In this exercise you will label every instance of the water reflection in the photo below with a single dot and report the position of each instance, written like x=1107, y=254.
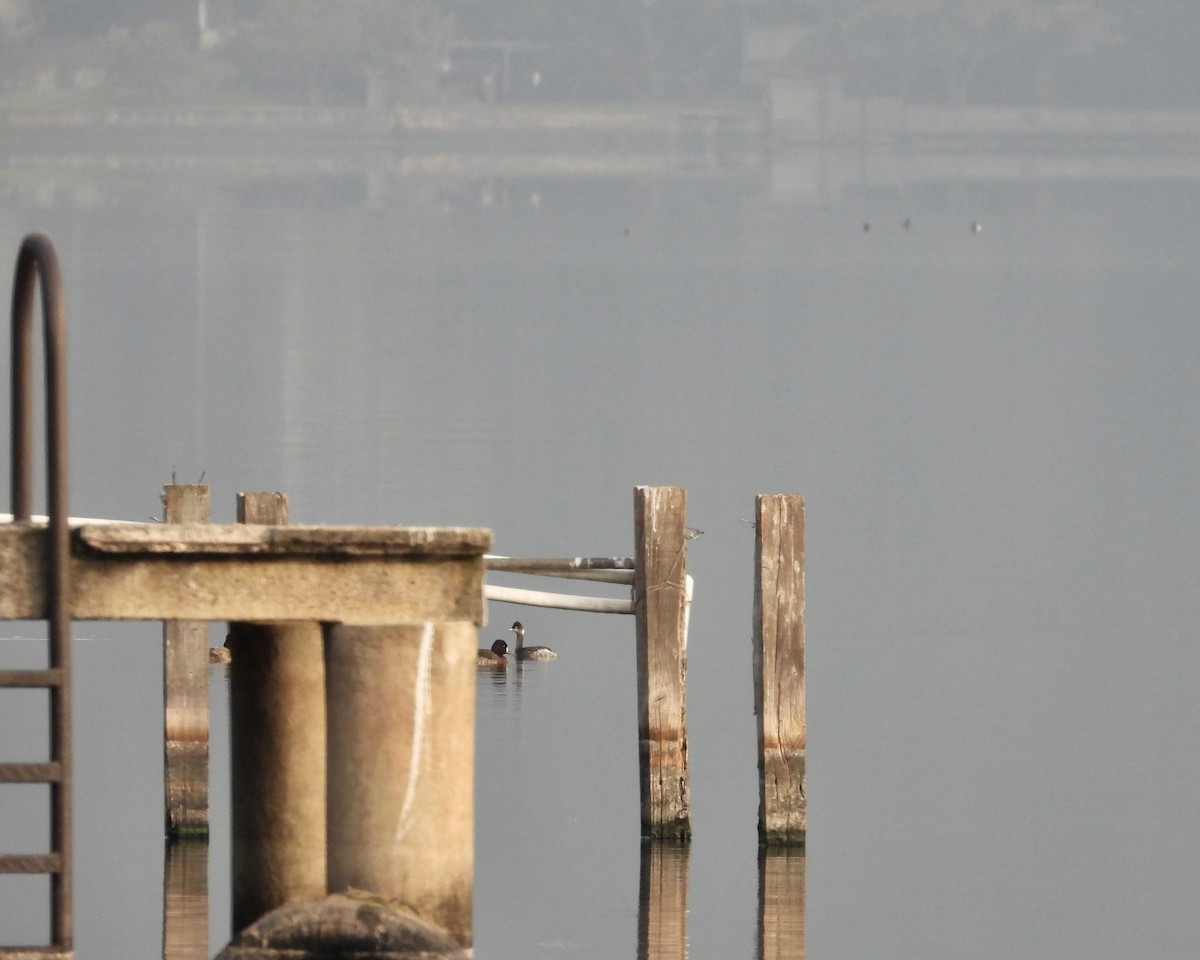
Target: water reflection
x=185, y=900
x=662, y=900
x=780, y=903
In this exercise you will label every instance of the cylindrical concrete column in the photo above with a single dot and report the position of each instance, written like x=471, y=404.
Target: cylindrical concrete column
x=401, y=729
x=277, y=759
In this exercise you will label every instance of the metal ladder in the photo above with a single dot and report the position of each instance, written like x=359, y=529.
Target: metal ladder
x=37, y=261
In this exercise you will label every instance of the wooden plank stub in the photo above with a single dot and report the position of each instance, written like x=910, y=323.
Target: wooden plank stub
x=779, y=667
x=660, y=608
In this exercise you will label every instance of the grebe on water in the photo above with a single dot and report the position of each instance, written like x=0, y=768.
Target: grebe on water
x=494, y=657
x=530, y=653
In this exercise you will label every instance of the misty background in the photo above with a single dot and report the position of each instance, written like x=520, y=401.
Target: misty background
x=385, y=54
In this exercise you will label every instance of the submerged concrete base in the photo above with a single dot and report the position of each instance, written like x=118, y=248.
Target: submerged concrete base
x=348, y=926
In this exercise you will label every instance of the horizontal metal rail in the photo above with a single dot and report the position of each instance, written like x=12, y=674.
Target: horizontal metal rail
x=560, y=601
x=30, y=863
x=31, y=678
x=51, y=772
x=600, y=569
x=71, y=521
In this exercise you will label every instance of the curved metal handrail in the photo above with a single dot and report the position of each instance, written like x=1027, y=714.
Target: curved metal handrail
x=38, y=261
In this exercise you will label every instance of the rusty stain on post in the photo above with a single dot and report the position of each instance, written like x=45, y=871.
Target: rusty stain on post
x=779, y=667
x=660, y=608
x=185, y=690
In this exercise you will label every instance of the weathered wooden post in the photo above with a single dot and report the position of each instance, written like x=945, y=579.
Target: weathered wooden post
x=660, y=605
x=277, y=752
x=401, y=708
x=185, y=690
x=662, y=903
x=779, y=667
x=781, y=879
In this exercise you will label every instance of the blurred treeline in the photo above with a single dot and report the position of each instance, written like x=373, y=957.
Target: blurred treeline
x=385, y=53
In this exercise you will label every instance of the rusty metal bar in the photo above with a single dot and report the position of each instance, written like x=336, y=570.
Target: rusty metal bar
x=31, y=772
x=30, y=862
x=37, y=271
x=30, y=678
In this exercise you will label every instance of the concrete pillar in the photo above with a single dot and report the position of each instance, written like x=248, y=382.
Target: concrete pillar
x=401, y=729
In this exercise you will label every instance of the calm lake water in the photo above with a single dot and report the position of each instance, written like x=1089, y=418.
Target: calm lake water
x=994, y=432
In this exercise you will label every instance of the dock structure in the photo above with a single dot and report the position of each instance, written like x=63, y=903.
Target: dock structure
x=414, y=592
x=382, y=595
x=352, y=683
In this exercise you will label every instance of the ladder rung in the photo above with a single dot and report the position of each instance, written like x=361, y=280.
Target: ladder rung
x=36, y=953
x=30, y=863
x=31, y=678
x=30, y=772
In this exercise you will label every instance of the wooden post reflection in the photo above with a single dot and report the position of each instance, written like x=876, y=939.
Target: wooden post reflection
x=780, y=903
x=662, y=900
x=185, y=900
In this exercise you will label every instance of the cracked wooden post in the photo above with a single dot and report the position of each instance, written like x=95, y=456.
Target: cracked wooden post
x=660, y=608
x=401, y=703
x=779, y=667
x=277, y=752
x=185, y=690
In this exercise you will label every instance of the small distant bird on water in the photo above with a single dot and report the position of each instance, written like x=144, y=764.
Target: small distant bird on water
x=530, y=653
x=691, y=533
x=493, y=657
x=907, y=223
x=976, y=226
x=866, y=227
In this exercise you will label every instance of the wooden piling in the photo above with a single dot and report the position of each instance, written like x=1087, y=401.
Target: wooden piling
x=185, y=690
x=277, y=752
x=401, y=709
x=662, y=901
x=779, y=667
x=660, y=608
